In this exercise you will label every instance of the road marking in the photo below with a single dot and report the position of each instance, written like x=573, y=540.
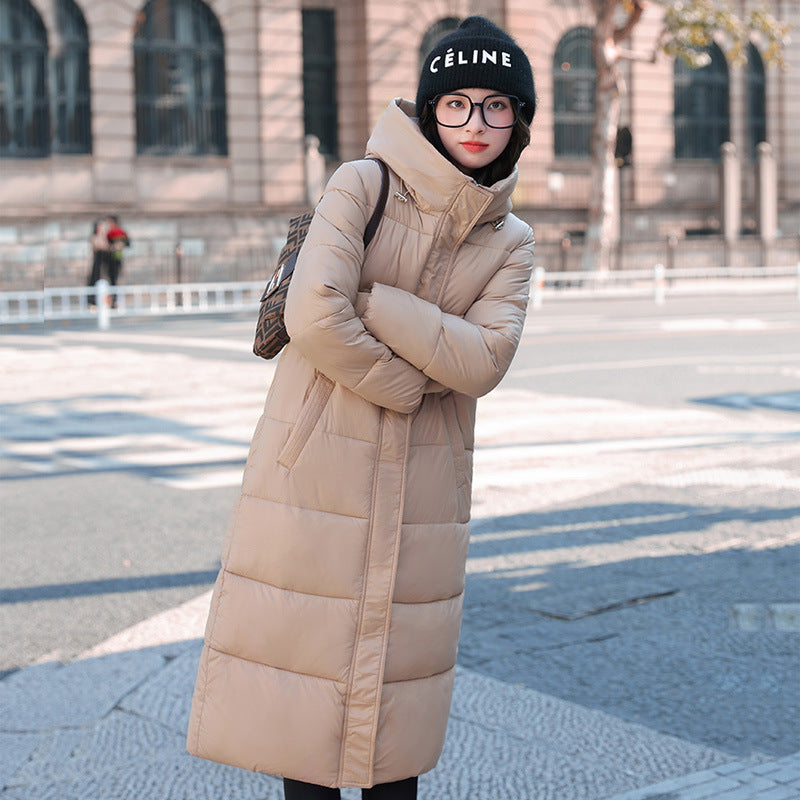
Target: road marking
x=128, y=337
x=640, y=363
x=660, y=545
x=573, y=527
x=729, y=476
x=485, y=455
x=195, y=442
x=210, y=479
x=704, y=325
x=785, y=401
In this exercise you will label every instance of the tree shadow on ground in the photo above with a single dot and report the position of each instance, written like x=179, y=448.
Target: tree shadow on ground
x=631, y=608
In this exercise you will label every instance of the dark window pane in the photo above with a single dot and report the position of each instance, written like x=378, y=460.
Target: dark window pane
x=574, y=79
x=24, y=107
x=69, y=82
x=320, y=109
x=179, y=68
x=701, y=110
x=756, y=100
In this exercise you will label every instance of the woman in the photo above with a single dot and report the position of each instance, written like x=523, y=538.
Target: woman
x=100, y=254
x=331, y=643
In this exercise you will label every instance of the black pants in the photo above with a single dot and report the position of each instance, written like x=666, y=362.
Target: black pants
x=104, y=261
x=399, y=790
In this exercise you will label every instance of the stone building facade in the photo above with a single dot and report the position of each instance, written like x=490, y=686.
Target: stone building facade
x=191, y=118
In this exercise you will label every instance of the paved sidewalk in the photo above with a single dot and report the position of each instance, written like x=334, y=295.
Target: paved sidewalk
x=736, y=780
x=110, y=726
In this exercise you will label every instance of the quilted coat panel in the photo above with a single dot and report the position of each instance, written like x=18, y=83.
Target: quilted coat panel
x=423, y=639
x=294, y=708
x=430, y=564
x=422, y=736
x=303, y=486
x=309, y=551
x=286, y=641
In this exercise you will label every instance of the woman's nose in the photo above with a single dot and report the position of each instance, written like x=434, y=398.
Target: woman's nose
x=475, y=121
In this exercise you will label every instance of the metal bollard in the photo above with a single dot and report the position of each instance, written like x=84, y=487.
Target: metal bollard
x=538, y=287
x=103, y=304
x=659, y=284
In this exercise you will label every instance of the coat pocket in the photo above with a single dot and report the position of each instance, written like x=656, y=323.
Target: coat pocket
x=307, y=420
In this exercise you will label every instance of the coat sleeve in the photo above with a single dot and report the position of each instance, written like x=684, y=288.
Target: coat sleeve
x=320, y=316
x=468, y=354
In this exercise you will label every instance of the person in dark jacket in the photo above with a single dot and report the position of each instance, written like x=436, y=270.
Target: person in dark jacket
x=108, y=241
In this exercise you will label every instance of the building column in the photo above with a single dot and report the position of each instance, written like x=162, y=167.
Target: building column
x=280, y=82
x=730, y=196
x=113, y=103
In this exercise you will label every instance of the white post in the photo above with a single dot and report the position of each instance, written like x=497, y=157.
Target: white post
x=798, y=280
x=538, y=287
x=103, y=304
x=659, y=284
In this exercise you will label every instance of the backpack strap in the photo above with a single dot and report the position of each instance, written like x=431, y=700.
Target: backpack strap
x=375, y=219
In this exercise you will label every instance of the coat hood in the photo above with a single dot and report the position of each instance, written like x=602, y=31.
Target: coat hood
x=427, y=174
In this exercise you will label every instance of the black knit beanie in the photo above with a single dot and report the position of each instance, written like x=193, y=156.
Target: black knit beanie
x=478, y=55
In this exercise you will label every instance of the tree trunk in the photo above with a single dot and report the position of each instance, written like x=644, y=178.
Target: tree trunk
x=600, y=229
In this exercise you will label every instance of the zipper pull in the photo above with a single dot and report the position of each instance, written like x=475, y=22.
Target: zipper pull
x=401, y=197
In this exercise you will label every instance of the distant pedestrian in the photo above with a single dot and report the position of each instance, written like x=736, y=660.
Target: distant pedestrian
x=330, y=647
x=108, y=241
x=101, y=253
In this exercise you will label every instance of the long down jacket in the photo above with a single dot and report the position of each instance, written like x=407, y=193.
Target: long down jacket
x=331, y=642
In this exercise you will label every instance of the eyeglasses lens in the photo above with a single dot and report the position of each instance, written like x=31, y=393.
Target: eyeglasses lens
x=455, y=110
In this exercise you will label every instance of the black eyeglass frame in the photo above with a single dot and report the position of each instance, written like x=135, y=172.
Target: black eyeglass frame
x=472, y=104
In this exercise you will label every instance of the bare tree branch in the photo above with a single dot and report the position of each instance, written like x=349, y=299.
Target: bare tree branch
x=621, y=34
x=631, y=55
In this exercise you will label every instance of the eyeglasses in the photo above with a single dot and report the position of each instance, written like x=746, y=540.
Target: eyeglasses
x=455, y=110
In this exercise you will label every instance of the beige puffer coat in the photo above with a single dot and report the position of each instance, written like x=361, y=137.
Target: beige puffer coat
x=331, y=642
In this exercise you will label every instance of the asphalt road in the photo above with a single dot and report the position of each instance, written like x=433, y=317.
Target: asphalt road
x=636, y=501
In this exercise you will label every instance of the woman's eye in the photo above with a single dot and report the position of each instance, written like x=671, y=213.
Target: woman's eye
x=498, y=105
x=456, y=104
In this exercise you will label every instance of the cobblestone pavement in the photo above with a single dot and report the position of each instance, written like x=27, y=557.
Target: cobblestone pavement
x=631, y=622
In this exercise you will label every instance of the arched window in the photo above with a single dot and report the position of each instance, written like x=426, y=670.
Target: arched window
x=179, y=69
x=702, y=119
x=24, y=110
x=574, y=78
x=433, y=34
x=756, y=99
x=70, y=102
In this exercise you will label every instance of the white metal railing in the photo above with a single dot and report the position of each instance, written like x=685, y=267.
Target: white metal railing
x=75, y=302
x=660, y=283
x=105, y=302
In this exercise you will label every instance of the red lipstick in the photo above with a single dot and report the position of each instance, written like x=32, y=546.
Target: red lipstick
x=474, y=147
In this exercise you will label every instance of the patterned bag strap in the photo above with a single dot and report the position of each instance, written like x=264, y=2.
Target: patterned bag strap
x=375, y=219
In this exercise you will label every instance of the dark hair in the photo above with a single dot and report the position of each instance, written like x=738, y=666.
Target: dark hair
x=501, y=167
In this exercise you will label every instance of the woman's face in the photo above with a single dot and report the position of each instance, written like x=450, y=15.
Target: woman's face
x=475, y=144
